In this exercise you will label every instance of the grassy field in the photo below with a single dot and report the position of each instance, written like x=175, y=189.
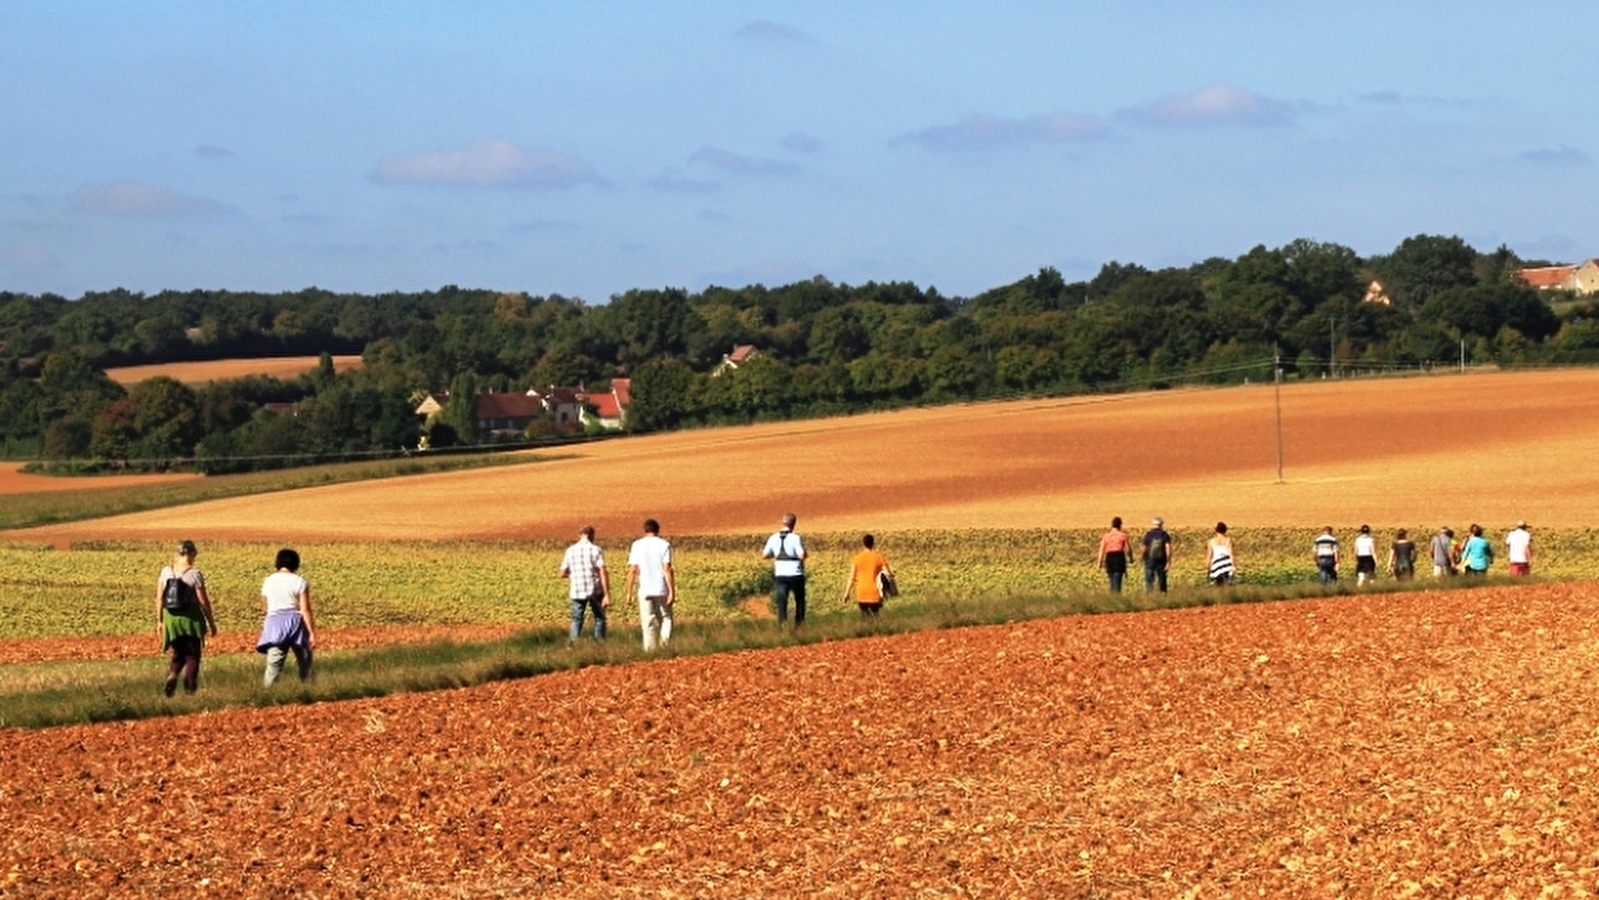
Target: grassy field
x=108, y=588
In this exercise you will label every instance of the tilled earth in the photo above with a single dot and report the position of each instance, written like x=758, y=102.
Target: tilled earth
x=1439, y=744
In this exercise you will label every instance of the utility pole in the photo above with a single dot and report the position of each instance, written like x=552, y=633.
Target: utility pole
x=1277, y=389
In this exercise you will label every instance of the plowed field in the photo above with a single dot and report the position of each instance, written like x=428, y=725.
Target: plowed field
x=1440, y=744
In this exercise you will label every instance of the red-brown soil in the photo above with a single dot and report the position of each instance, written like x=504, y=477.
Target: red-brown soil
x=1491, y=447
x=53, y=649
x=1440, y=744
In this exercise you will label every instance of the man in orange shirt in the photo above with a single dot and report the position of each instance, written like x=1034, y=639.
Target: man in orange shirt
x=863, y=572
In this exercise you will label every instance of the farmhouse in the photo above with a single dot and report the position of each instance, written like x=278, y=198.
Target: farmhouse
x=506, y=415
x=608, y=410
x=1582, y=278
x=740, y=354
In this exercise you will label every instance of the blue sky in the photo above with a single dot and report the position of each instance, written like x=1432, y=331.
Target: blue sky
x=586, y=148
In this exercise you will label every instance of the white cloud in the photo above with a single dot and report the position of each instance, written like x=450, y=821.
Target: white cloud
x=736, y=163
x=1216, y=104
x=985, y=132
x=488, y=163
x=139, y=198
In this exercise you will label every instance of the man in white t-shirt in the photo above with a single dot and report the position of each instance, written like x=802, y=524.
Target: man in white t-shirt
x=649, y=565
x=1518, y=543
x=788, y=570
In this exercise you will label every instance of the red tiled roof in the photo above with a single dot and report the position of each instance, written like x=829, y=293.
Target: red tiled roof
x=741, y=353
x=508, y=406
x=1547, y=276
x=622, y=387
x=605, y=406
x=561, y=395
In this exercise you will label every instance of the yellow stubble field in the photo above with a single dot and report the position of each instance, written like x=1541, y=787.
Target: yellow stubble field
x=201, y=371
x=1490, y=446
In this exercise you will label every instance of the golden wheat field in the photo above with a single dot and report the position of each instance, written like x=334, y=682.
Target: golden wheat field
x=201, y=371
x=1492, y=447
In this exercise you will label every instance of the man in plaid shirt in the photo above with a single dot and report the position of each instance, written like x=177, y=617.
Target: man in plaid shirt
x=590, y=583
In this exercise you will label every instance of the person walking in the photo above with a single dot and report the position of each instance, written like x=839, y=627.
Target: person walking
x=1442, y=550
x=588, y=584
x=289, y=626
x=1477, y=553
x=1113, y=546
x=1365, y=557
x=787, y=551
x=649, y=565
x=1518, y=550
x=863, y=580
x=1402, y=556
x=1157, y=555
x=1326, y=553
x=1223, y=562
x=183, y=617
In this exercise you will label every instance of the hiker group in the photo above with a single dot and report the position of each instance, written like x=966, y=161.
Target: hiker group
x=1472, y=555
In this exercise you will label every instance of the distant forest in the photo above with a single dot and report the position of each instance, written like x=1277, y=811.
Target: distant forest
x=824, y=348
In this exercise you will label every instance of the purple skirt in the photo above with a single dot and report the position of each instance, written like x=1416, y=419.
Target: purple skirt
x=283, y=629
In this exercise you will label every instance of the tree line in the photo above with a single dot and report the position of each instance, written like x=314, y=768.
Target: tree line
x=823, y=348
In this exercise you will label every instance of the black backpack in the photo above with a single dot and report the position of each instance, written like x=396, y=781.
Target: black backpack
x=177, y=595
x=1157, y=547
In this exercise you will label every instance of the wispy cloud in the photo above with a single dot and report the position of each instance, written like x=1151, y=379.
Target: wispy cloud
x=212, y=151
x=1568, y=157
x=986, y=132
x=139, y=198
x=764, y=30
x=488, y=163
x=739, y=164
x=1215, y=104
x=800, y=142
x=677, y=184
x=27, y=257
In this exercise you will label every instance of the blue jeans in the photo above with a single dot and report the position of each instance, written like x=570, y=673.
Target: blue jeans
x=1116, y=581
x=786, y=585
x=1153, y=572
x=1326, y=571
x=578, y=607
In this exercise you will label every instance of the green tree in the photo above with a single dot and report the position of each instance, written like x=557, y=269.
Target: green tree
x=1426, y=264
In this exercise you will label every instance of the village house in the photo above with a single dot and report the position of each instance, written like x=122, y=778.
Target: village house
x=608, y=409
x=508, y=415
x=1582, y=278
x=739, y=355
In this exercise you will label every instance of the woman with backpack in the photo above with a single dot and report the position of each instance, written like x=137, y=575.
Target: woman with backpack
x=183, y=617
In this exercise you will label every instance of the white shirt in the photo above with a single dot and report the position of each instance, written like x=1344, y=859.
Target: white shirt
x=1519, y=543
x=1365, y=545
x=789, y=552
x=282, y=591
x=652, y=554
